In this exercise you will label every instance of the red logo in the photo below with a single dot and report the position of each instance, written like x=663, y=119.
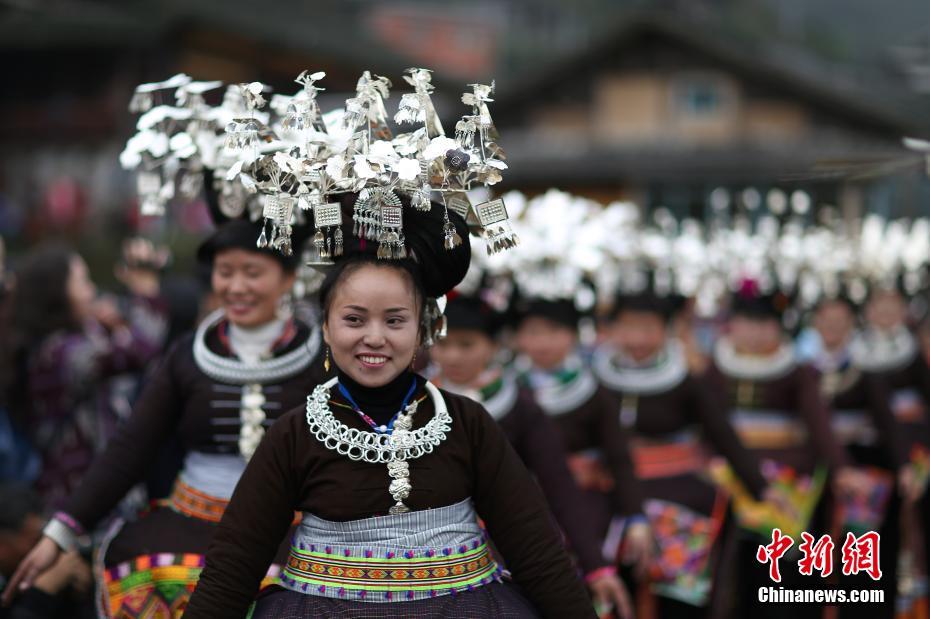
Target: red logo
x=771, y=553
x=817, y=556
x=860, y=554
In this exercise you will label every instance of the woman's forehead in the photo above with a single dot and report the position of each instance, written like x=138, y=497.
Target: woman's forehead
x=376, y=287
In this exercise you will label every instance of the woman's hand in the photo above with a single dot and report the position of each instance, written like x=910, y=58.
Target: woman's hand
x=69, y=570
x=910, y=490
x=609, y=591
x=40, y=558
x=107, y=313
x=639, y=547
x=140, y=266
x=778, y=499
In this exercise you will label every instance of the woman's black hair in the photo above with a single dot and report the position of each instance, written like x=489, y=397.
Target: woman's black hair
x=341, y=272
x=39, y=307
x=647, y=302
x=40, y=299
x=241, y=234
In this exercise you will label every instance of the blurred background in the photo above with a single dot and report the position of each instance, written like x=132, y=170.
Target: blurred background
x=690, y=105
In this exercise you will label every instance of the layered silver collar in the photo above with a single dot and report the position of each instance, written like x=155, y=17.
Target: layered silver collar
x=237, y=372
x=666, y=371
x=497, y=404
x=750, y=367
x=554, y=395
x=877, y=351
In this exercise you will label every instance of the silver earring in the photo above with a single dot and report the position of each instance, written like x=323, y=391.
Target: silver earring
x=285, y=306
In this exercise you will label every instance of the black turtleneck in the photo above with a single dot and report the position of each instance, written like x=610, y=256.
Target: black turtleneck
x=381, y=403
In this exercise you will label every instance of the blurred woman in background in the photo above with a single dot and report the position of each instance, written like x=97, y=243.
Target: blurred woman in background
x=465, y=362
x=68, y=343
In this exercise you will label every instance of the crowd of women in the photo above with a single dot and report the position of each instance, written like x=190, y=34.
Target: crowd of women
x=613, y=419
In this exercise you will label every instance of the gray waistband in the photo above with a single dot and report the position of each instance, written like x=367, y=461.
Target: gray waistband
x=429, y=528
x=395, y=558
x=853, y=427
x=213, y=474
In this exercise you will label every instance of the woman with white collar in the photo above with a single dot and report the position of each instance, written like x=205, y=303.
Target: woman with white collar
x=218, y=390
x=550, y=363
x=465, y=363
x=775, y=406
x=862, y=421
x=888, y=348
x=390, y=473
x=671, y=419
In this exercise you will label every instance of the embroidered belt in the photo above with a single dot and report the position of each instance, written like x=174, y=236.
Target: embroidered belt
x=908, y=406
x=193, y=503
x=667, y=459
x=410, y=556
x=767, y=429
x=189, y=501
x=853, y=427
x=590, y=471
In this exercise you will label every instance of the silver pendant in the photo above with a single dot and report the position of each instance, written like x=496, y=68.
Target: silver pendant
x=400, y=508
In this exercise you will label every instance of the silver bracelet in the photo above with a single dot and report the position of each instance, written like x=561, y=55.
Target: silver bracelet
x=61, y=534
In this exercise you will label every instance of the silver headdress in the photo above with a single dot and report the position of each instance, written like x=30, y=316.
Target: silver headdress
x=562, y=247
x=296, y=158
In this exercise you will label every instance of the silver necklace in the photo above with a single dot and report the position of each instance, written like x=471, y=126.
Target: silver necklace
x=395, y=449
x=265, y=371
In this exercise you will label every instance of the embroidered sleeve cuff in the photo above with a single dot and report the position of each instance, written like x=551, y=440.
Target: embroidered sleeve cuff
x=637, y=519
x=61, y=534
x=607, y=570
x=68, y=520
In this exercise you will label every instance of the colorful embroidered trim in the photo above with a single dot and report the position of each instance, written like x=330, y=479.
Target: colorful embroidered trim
x=761, y=429
x=188, y=501
x=193, y=503
x=158, y=585
x=667, y=460
x=386, y=576
x=853, y=427
x=590, y=472
x=908, y=406
x=865, y=511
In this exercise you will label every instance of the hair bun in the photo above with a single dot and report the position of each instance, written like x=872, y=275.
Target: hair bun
x=439, y=269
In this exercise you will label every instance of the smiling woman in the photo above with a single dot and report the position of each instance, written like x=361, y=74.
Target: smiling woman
x=218, y=389
x=389, y=472
x=371, y=320
x=250, y=286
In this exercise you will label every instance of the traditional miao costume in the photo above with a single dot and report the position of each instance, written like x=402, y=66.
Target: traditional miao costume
x=672, y=420
x=219, y=406
x=897, y=359
x=861, y=420
x=775, y=406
